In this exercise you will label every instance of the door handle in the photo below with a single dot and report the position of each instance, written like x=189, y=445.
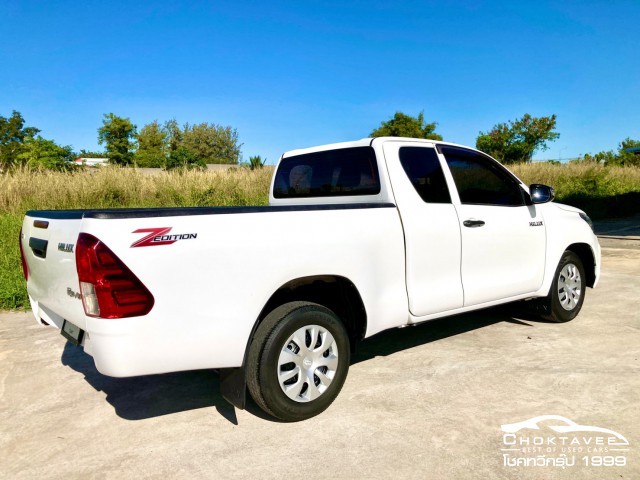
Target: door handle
x=39, y=247
x=473, y=223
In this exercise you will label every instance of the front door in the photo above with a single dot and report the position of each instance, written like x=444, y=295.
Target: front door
x=503, y=234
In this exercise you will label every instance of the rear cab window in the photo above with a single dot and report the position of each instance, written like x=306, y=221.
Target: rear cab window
x=331, y=173
x=425, y=173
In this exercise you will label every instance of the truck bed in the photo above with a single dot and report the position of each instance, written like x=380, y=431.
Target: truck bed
x=217, y=279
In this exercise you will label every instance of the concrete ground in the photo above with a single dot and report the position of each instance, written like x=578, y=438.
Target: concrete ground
x=610, y=232
x=421, y=402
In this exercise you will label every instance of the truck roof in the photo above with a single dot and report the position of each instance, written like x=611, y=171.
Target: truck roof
x=363, y=143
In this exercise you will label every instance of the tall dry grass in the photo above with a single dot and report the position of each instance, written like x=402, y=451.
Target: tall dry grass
x=602, y=192
x=113, y=187
x=581, y=178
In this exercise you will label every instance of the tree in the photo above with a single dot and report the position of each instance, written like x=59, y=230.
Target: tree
x=184, y=159
x=174, y=134
x=623, y=157
x=212, y=143
x=626, y=157
x=12, y=135
x=517, y=141
x=41, y=154
x=117, y=134
x=402, y=125
x=151, y=146
x=604, y=158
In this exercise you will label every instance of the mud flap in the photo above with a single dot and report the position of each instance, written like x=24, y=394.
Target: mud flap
x=233, y=386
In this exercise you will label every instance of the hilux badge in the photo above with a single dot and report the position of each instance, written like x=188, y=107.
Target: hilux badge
x=66, y=247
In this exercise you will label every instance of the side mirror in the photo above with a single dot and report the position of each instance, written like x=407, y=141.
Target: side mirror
x=541, y=193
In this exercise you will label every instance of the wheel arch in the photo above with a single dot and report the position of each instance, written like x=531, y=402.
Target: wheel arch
x=585, y=253
x=334, y=292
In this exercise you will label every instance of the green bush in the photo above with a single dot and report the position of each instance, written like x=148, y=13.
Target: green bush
x=256, y=162
x=184, y=159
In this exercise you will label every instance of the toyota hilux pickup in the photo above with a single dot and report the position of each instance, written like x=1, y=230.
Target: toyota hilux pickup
x=358, y=237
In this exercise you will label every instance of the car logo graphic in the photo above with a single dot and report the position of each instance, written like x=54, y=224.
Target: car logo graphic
x=564, y=425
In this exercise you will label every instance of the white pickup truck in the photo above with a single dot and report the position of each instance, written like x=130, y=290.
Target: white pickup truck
x=359, y=237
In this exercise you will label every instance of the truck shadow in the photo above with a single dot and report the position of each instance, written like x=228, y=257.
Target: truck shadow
x=149, y=396
x=398, y=339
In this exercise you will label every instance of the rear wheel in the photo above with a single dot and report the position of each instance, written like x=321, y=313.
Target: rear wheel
x=568, y=289
x=298, y=361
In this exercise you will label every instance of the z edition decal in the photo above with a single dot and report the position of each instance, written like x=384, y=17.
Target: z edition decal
x=160, y=236
x=553, y=441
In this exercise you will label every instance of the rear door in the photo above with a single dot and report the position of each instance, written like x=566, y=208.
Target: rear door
x=431, y=227
x=503, y=235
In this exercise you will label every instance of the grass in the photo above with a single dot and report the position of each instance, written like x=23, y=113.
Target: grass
x=118, y=188
x=13, y=292
x=600, y=191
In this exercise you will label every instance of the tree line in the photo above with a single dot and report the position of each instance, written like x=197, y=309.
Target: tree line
x=166, y=145
x=514, y=141
x=169, y=145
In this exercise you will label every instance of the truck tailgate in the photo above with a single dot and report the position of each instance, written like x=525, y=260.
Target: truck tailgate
x=48, y=240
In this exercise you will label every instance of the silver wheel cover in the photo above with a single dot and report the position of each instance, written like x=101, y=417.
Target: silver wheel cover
x=569, y=286
x=307, y=363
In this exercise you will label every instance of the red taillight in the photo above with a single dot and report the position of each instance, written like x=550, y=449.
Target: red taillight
x=25, y=267
x=109, y=289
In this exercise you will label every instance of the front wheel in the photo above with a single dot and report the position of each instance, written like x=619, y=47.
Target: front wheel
x=568, y=289
x=298, y=361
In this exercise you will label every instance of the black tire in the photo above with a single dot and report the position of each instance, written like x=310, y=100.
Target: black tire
x=264, y=363
x=567, y=291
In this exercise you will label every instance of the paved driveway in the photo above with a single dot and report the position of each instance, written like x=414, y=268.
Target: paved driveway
x=421, y=402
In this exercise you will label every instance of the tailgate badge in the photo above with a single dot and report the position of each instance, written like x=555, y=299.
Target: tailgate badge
x=66, y=247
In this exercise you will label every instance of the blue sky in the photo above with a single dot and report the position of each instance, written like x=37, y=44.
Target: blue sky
x=302, y=73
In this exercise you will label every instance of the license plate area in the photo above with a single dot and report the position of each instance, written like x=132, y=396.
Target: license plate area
x=72, y=333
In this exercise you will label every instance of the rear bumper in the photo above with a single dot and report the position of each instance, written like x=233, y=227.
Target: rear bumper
x=139, y=346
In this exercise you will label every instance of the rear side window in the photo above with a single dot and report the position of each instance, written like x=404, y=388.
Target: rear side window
x=332, y=173
x=423, y=168
x=481, y=180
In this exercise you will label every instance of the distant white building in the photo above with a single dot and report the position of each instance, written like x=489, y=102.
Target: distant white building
x=91, y=162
